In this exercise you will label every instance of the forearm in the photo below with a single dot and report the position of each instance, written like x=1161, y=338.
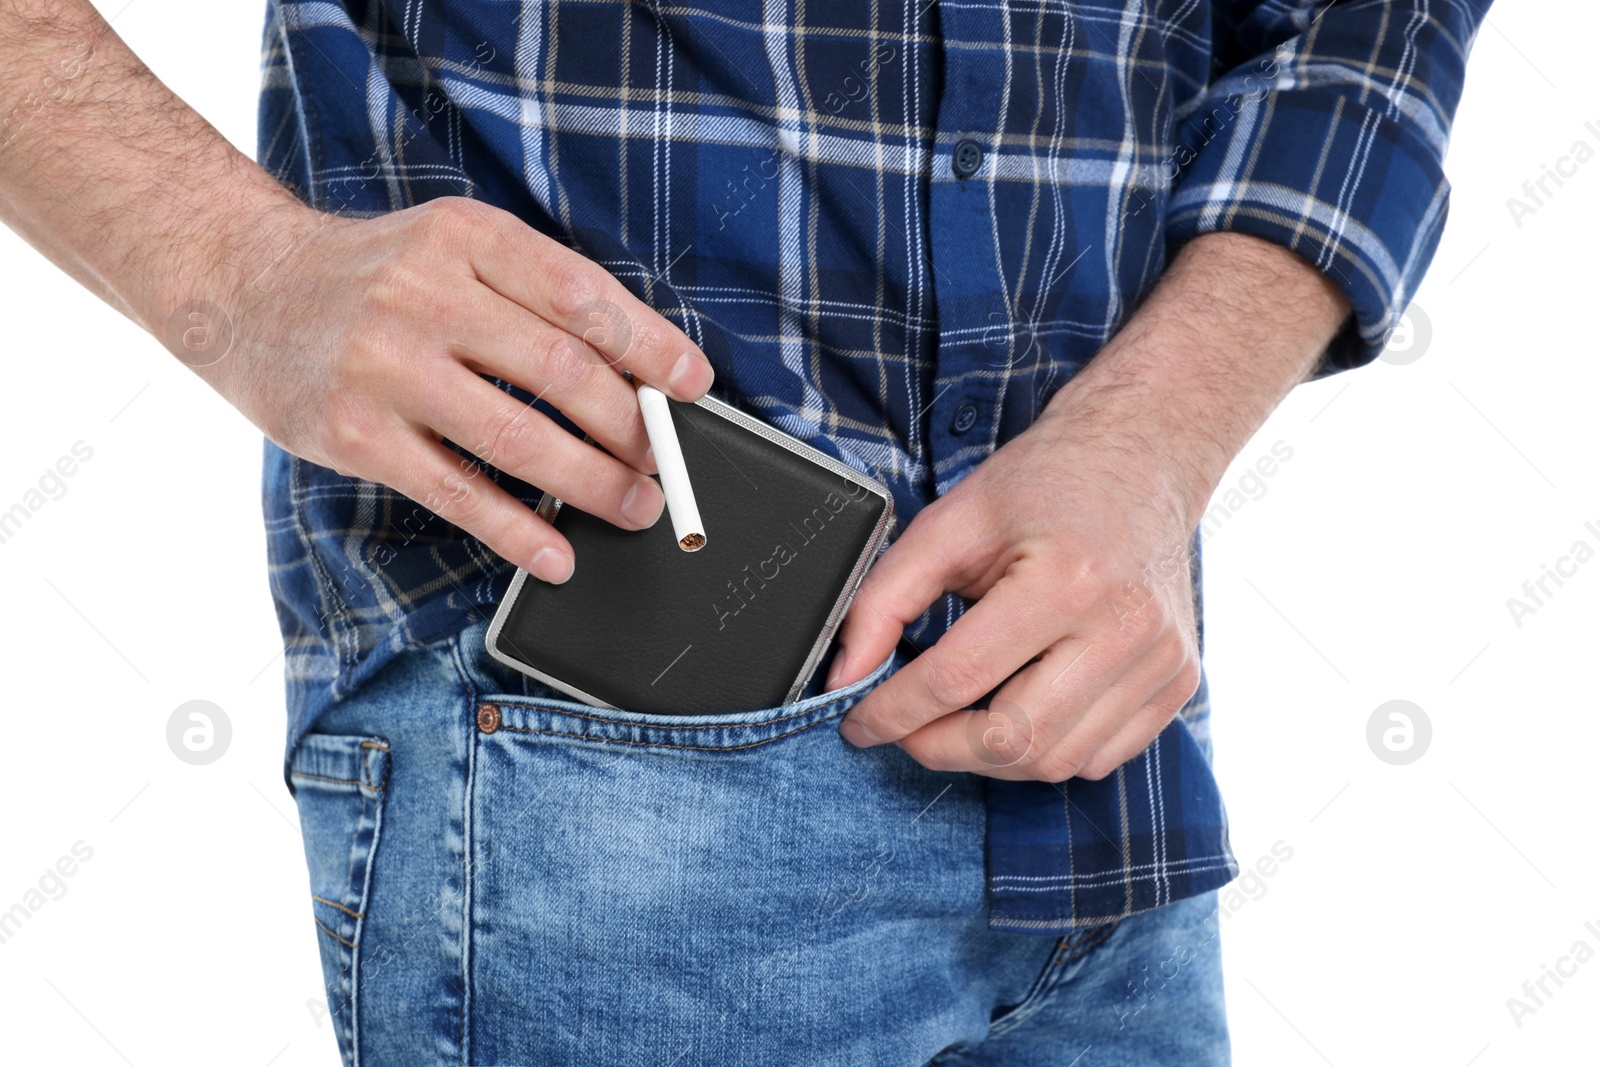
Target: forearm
x=112, y=176
x=1233, y=325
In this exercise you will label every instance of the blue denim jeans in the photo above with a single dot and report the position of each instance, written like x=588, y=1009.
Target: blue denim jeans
x=500, y=876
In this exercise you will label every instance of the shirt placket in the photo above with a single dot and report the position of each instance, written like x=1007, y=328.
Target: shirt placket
x=975, y=336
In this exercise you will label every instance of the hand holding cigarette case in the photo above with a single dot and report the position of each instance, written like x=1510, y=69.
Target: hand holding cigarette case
x=740, y=624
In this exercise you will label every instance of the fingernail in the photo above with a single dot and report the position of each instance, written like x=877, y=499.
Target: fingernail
x=551, y=565
x=835, y=672
x=642, y=504
x=650, y=459
x=857, y=734
x=690, y=377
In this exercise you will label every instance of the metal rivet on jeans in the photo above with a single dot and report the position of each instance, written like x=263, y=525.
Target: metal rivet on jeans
x=488, y=718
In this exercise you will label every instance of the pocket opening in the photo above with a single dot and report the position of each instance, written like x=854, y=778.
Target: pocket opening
x=547, y=713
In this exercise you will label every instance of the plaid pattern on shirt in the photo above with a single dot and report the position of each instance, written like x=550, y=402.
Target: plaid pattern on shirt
x=781, y=180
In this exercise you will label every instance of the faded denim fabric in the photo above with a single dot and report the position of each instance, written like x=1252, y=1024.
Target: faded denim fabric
x=503, y=877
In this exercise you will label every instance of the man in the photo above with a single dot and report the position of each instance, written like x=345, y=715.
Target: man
x=1041, y=268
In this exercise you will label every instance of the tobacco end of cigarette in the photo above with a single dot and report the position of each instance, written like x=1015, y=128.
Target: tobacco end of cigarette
x=692, y=542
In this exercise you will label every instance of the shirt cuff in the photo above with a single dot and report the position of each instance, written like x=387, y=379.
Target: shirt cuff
x=1351, y=189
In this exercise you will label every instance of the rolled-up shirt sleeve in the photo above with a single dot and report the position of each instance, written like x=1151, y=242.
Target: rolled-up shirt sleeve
x=1327, y=134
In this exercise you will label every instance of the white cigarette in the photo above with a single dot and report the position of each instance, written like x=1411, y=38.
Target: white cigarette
x=686, y=525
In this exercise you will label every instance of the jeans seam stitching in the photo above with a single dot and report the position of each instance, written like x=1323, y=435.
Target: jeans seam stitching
x=358, y=783
x=360, y=924
x=332, y=904
x=1088, y=943
x=349, y=944
x=664, y=744
x=1051, y=977
x=1041, y=984
x=675, y=726
x=469, y=794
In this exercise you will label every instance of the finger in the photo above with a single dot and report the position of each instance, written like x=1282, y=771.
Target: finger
x=457, y=491
x=503, y=338
x=934, y=554
x=1138, y=730
x=997, y=635
x=1054, y=694
x=520, y=440
x=1124, y=706
x=992, y=741
x=1025, y=719
x=582, y=298
x=1075, y=675
x=1033, y=727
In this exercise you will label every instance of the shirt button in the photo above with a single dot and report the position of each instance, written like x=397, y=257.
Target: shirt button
x=967, y=159
x=488, y=718
x=966, y=418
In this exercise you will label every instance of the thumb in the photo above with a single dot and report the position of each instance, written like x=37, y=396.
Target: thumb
x=912, y=573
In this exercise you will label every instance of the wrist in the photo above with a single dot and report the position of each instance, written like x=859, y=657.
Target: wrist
x=210, y=262
x=1233, y=325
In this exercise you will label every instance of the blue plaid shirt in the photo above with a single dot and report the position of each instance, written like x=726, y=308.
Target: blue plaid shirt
x=896, y=227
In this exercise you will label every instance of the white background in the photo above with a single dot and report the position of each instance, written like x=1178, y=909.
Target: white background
x=1375, y=566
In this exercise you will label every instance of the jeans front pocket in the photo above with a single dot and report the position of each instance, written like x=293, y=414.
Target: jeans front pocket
x=637, y=875
x=338, y=784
